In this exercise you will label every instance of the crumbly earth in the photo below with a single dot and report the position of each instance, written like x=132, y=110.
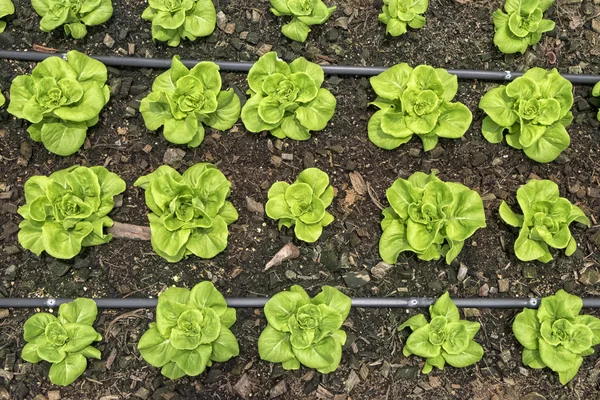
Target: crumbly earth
x=458, y=34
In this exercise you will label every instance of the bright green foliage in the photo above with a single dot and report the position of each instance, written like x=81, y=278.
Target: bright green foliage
x=556, y=336
x=64, y=341
x=596, y=93
x=61, y=99
x=416, y=101
x=535, y=109
x=75, y=15
x=545, y=222
x=446, y=339
x=2, y=100
x=183, y=100
x=305, y=331
x=190, y=213
x=287, y=100
x=302, y=204
x=424, y=211
x=191, y=331
x=304, y=12
x=522, y=25
x=396, y=14
x=6, y=8
x=173, y=20
x=68, y=210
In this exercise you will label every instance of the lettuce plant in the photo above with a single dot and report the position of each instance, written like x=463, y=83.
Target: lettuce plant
x=61, y=99
x=397, y=14
x=287, y=100
x=65, y=342
x=445, y=339
x=416, y=101
x=304, y=13
x=596, y=93
x=423, y=213
x=182, y=100
x=535, y=109
x=6, y=8
x=190, y=213
x=75, y=15
x=305, y=331
x=521, y=25
x=545, y=221
x=302, y=204
x=68, y=210
x=191, y=331
x=556, y=336
x=173, y=20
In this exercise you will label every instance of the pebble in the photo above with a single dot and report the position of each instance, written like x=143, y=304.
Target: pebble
x=308, y=160
x=503, y=285
x=4, y=313
x=435, y=285
x=173, y=156
x=414, y=152
x=11, y=272
x=252, y=38
x=108, y=41
x=221, y=20
x=478, y=159
x=462, y=272
x=254, y=206
x=356, y=280
x=59, y=268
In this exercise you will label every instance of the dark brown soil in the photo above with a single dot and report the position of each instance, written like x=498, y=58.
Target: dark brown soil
x=458, y=34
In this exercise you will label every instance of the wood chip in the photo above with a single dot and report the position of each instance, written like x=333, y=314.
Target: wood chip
x=358, y=183
x=111, y=358
x=128, y=231
x=287, y=252
x=147, y=149
x=352, y=381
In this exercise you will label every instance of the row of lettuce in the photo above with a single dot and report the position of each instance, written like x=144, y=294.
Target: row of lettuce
x=63, y=98
x=190, y=213
x=520, y=25
x=192, y=331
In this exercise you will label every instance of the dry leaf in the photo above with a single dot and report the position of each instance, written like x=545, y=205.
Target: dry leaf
x=287, y=252
x=358, y=183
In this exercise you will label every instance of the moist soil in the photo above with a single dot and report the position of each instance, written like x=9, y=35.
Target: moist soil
x=458, y=34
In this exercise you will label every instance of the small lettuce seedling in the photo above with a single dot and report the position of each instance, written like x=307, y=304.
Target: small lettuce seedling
x=302, y=204
x=535, y=109
x=61, y=99
x=64, y=341
x=556, y=336
x=68, y=210
x=304, y=13
x=75, y=15
x=397, y=14
x=191, y=331
x=183, y=100
x=424, y=212
x=305, y=331
x=416, y=101
x=190, y=212
x=6, y=8
x=596, y=93
x=287, y=100
x=446, y=339
x=522, y=25
x=173, y=20
x=545, y=221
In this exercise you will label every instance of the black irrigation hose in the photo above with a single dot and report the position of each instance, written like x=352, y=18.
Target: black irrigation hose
x=257, y=302
x=233, y=66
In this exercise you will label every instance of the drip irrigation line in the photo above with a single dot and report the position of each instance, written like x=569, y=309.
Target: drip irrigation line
x=233, y=66
x=258, y=302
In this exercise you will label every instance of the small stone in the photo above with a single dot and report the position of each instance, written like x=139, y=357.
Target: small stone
x=256, y=15
x=131, y=49
x=381, y=269
x=22, y=162
x=529, y=272
x=505, y=356
x=332, y=35
x=308, y=160
x=26, y=150
x=54, y=395
x=352, y=381
x=58, y=268
x=503, y=285
x=11, y=272
x=583, y=105
x=435, y=381
x=252, y=38
x=589, y=277
x=142, y=393
x=229, y=28
x=11, y=250
x=462, y=272
x=278, y=390
x=173, y=155
x=255, y=207
x=523, y=371
x=287, y=156
x=356, y=280
x=264, y=49
x=108, y=41
x=478, y=159
x=243, y=387
x=4, y=313
x=471, y=313
x=221, y=20
x=414, y=152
